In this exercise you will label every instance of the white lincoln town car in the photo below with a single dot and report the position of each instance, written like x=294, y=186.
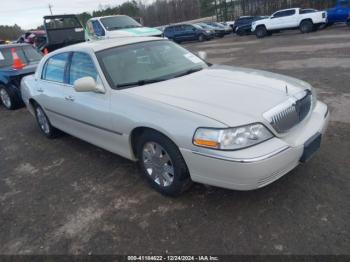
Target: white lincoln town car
x=183, y=119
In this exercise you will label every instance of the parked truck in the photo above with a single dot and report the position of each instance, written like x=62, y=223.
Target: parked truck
x=339, y=13
x=294, y=18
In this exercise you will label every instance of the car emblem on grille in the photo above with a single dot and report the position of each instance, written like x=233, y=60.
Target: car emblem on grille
x=291, y=112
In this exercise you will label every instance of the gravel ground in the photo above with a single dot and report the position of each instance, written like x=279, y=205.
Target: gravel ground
x=65, y=196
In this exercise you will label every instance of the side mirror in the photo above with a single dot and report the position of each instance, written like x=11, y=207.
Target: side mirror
x=203, y=55
x=87, y=84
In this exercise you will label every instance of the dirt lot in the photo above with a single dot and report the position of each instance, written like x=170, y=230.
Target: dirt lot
x=66, y=196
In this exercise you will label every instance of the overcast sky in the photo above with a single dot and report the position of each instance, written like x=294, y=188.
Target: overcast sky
x=29, y=13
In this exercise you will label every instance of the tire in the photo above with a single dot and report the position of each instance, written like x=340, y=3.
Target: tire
x=261, y=32
x=159, y=156
x=240, y=32
x=306, y=26
x=348, y=23
x=201, y=38
x=44, y=123
x=9, y=98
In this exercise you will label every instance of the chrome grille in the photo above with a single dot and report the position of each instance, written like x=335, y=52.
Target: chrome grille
x=290, y=113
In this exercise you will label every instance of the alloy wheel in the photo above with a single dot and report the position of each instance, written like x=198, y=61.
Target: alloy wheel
x=42, y=120
x=5, y=98
x=158, y=164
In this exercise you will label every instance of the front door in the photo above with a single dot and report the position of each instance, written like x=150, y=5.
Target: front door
x=88, y=112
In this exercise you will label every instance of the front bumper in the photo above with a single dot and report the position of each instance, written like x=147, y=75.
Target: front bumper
x=257, y=166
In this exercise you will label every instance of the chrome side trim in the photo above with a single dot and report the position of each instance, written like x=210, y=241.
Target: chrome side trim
x=243, y=160
x=83, y=122
x=327, y=112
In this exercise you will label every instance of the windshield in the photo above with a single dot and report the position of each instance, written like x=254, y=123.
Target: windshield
x=27, y=54
x=197, y=26
x=147, y=62
x=205, y=26
x=119, y=22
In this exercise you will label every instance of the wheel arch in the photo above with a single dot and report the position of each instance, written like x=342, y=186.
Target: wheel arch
x=306, y=19
x=138, y=131
x=261, y=25
x=31, y=105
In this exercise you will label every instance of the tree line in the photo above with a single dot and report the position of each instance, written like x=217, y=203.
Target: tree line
x=10, y=32
x=163, y=12
x=231, y=9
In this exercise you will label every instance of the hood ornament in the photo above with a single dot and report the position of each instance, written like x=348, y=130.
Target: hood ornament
x=287, y=90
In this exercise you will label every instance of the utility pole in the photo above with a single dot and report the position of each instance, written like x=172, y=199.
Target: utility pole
x=50, y=7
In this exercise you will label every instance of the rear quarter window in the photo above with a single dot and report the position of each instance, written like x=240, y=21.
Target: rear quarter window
x=5, y=57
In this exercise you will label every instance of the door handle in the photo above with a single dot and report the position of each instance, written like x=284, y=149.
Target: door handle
x=69, y=98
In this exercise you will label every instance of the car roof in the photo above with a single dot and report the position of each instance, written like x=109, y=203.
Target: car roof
x=286, y=9
x=99, y=45
x=98, y=18
x=12, y=45
x=60, y=16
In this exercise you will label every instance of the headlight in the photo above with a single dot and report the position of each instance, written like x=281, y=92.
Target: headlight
x=231, y=138
x=208, y=32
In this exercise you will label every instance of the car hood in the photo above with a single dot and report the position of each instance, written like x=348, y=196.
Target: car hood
x=138, y=31
x=230, y=95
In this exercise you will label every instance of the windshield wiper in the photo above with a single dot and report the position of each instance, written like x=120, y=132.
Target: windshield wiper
x=190, y=71
x=131, y=26
x=141, y=82
x=114, y=28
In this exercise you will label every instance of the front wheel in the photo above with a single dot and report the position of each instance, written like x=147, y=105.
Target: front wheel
x=162, y=164
x=306, y=27
x=201, y=38
x=44, y=123
x=240, y=32
x=261, y=32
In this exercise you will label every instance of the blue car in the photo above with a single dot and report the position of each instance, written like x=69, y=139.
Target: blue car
x=340, y=13
x=187, y=32
x=11, y=74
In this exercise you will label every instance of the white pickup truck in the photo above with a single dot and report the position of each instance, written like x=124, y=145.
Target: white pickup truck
x=293, y=18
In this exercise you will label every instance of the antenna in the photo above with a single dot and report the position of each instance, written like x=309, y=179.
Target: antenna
x=50, y=7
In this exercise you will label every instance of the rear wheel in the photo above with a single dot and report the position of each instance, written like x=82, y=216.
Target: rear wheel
x=306, y=26
x=162, y=164
x=9, y=98
x=44, y=123
x=261, y=32
x=201, y=38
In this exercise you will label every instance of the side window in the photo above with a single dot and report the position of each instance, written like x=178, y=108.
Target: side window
x=284, y=13
x=278, y=14
x=55, y=67
x=169, y=30
x=188, y=27
x=81, y=66
x=98, y=29
x=290, y=12
x=178, y=28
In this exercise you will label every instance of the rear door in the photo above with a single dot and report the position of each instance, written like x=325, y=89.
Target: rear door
x=180, y=33
x=53, y=91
